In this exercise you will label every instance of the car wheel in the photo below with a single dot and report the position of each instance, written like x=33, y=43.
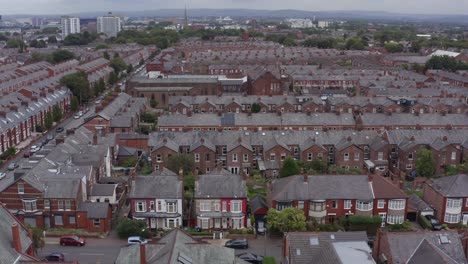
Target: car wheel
x=63, y=244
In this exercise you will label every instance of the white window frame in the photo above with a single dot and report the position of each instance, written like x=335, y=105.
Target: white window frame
x=395, y=219
x=453, y=156
x=300, y=204
x=397, y=204
x=453, y=203
x=310, y=156
x=152, y=209
x=356, y=156
x=20, y=188
x=224, y=206
x=30, y=205
x=216, y=206
x=452, y=218
x=159, y=158
x=272, y=156
x=67, y=205
x=380, y=203
x=96, y=222
x=235, y=204
x=205, y=206
x=379, y=155
x=347, y=204
x=143, y=205
x=197, y=157
x=204, y=223
x=246, y=158
x=234, y=157
x=60, y=205
x=159, y=206
x=46, y=204
x=171, y=207
x=346, y=156
x=283, y=156
x=364, y=206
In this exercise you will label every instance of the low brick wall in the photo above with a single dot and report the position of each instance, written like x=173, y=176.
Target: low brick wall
x=234, y=236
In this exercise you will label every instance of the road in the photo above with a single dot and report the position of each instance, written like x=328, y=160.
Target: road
x=102, y=251
x=264, y=246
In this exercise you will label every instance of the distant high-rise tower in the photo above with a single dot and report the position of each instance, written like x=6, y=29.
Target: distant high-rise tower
x=109, y=25
x=185, y=17
x=70, y=25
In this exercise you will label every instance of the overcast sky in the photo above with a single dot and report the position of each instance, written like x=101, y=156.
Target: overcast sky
x=8, y=7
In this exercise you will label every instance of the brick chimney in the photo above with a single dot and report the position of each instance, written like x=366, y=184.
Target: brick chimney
x=16, y=237
x=95, y=139
x=181, y=174
x=445, y=138
x=142, y=254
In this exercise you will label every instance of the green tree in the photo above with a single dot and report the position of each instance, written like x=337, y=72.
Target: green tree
x=355, y=43
x=445, y=63
x=37, y=238
x=118, y=65
x=129, y=162
x=393, y=47
x=289, y=168
x=48, y=120
x=62, y=55
x=181, y=161
x=286, y=220
x=78, y=84
x=148, y=117
x=425, y=163
x=14, y=43
x=106, y=55
x=113, y=78
x=74, y=104
x=153, y=103
x=256, y=108
x=39, y=128
x=289, y=42
x=127, y=227
x=282, y=26
x=317, y=166
x=57, y=113
x=129, y=68
x=101, y=46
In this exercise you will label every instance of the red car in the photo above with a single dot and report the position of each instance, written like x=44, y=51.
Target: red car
x=27, y=154
x=72, y=240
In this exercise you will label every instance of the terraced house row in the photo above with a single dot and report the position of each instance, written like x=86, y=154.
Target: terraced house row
x=242, y=151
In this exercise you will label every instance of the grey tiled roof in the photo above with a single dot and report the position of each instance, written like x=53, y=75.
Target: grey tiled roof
x=451, y=186
x=103, y=189
x=165, y=186
x=94, y=210
x=258, y=202
x=418, y=204
x=220, y=184
x=370, y=119
x=322, y=187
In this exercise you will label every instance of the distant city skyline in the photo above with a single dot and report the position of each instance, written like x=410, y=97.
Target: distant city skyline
x=56, y=7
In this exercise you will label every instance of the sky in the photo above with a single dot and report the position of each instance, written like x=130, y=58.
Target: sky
x=10, y=7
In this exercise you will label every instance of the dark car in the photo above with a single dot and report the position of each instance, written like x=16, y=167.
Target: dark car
x=27, y=154
x=55, y=257
x=251, y=257
x=237, y=243
x=59, y=129
x=434, y=222
x=71, y=240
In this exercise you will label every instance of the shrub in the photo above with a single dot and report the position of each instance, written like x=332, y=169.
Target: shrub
x=128, y=227
x=424, y=222
x=405, y=226
x=269, y=260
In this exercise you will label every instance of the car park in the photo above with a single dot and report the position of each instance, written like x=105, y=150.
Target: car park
x=434, y=222
x=237, y=243
x=59, y=129
x=2, y=175
x=55, y=257
x=136, y=240
x=13, y=166
x=251, y=257
x=72, y=240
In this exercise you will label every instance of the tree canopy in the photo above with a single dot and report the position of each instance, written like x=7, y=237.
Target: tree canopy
x=425, y=163
x=290, y=167
x=445, y=63
x=128, y=227
x=286, y=220
x=62, y=55
x=393, y=47
x=78, y=84
x=180, y=161
x=79, y=39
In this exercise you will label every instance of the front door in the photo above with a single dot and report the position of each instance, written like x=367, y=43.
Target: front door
x=383, y=216
x=217, y=223
x=465, y=219
x=224, y=223
x=153, y=223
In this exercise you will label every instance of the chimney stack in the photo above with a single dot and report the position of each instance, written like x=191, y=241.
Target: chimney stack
x=195, y=173
x=16, y=237
x=142, y=254
x=95, y=139
x=181, y=174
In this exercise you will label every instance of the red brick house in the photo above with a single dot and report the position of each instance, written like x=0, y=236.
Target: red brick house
x=264, y=83
x=94, y=217
x=203, y=153
x=161, y=151
x=449, y=197
x=391, y=203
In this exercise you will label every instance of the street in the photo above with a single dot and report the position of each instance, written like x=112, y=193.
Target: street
x=102, y=251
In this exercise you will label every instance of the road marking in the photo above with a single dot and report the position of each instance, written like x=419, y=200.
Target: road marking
x=91, y=254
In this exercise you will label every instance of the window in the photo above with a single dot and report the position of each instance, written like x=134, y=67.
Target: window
x=364, y=206
x=236, y=206
x=347, y=204
x=71, y=220
x=443, y=155
x=246, y=157
x=334, y=204
x=60, y=204
x=207, y=157
x=234, y=157
x=158, y=158
x=204, y=223
x=205, y=206
x=46, y=204
x=300, y=204
x=224, y=206
x=356, y=156
x=283, y=156
x=296, y=151
x=409, y=166
x=452, y=218
x=320, y=155
x=397, y=204
x=395, y=219
x=272, y=156
x=171, y=223
x=197, y=157
x=20, y=188
x=410, y=156
x=140, y=206
x=380, y=156
x=96, y=222
x=317, y=206
x=466, y=202
x=58, y=220
x=346, y=156
x=216, y=206
x=310, y=156
x=454, y=203
x=152, y=206
x=453, y=156
x=171, y=207
x=283, y=205
x=159, y=206
x=224, y=150
x=380, y=203
x=29, y=205
x=67, y=205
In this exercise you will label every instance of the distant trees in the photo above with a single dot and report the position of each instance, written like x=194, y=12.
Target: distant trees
x=52, y=39
x=74, y=104
x=118, y=65
x=37, y=44
x=57, y=113
x=127, y=227
x=48, y=120
x=79, y=39
x=445, y=63
x=393, y=47
x=256, y=108
x=62, y=55
x=356, y=43
x=321, y=43
x=180, y=161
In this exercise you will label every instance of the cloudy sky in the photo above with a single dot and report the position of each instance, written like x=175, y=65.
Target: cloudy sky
x=8, y=7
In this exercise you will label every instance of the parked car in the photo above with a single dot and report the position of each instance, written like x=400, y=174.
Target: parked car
x=434, y=222
x=2, y=175
x=50, y=137
x=35, y=148
x=80, y=113
x=59, y=129
x=76, y=116
x=98, y=101
x=237, y=243
x=136, y=240
x=55, y=257
x=13, y=166
x=27, y=154
x=72, y=240
x=251, y=257
x=261, y=228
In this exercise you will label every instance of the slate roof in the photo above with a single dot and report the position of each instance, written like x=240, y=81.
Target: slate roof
x=103, y=189
x=258, y=202
x=451, y=186
x=61, y=188
x=165, y=185
x=121, y=121
x=321, y=247
x=384, y=189
x=424, y=246
x=126, y=151
x=406, y=139
x=404, y=119
x=220, y=184
x=94, y=210
x=322, y=187
x=179, y=247
x=416, y=203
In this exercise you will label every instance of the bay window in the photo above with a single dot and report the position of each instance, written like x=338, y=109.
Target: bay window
x=395, y=219
x=364, y=205
x=236, y=206
x=454, y=203
x=452, y=218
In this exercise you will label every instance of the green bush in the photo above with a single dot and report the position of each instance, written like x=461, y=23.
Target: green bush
x=424, y=222
x=364, y=220
x=269, y=260
x=405, y=226
x=128, y=227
